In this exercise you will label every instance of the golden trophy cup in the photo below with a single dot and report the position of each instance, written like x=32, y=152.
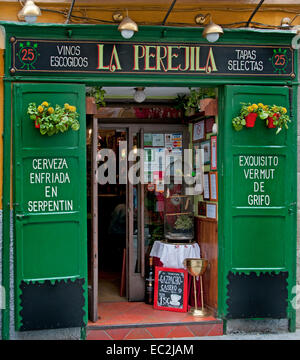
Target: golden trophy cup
x=197, y=267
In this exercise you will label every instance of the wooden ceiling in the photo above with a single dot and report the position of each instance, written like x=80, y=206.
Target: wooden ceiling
x=229, y=13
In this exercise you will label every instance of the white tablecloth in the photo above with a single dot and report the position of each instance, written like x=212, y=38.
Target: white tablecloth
x=172, y=255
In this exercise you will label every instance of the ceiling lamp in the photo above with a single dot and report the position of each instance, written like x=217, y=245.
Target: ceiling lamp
x=127, y=27
x=30, y=12
x=211, y=31
x=285, y=22
x=139, y=95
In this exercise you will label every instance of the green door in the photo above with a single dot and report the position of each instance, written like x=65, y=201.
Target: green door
x=257, y=209
x=49, y=174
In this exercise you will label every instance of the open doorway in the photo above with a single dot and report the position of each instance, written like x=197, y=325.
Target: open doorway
x=112, y=224
x=131, y=217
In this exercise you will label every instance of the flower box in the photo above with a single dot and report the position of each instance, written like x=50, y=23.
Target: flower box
x=250, y=120
x=90, y=105
x=209, y=106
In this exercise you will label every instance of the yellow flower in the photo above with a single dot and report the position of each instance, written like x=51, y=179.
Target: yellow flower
x=50, y=110
x=40, y=109
x=250, y=108
x=284, y=110
x=72, y=108
x=254, y=106
x=45, y=103
x=67, y=106
x=260, y=105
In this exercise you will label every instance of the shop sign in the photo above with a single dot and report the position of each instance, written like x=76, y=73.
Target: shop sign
x=170, y=289
x=50, y=181
x=259, y=177
x=100, y=57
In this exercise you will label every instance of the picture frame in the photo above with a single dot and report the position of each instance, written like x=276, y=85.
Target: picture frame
x=196, y=146
x=201, y=208
x=209, y=123
x=213, y=153
x=199, y=130
x=206, y=186
x=164, y=299
x=213, y=186
x=205, y=145
x=211, y=211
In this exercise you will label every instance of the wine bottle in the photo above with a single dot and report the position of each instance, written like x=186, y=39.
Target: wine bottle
x=149, y=283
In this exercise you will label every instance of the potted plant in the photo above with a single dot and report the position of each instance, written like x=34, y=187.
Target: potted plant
x=94, y=99
x=52, y=120
x=183, y=223
x=277, y=118
x=192, y=103
x=208, y=102
x=247, y=117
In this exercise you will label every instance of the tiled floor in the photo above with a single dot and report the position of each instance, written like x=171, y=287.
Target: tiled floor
x=137, y=320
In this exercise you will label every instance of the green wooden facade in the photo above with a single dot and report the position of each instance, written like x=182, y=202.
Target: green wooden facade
x=253, y=238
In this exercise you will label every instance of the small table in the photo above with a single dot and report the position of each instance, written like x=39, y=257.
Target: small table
x=172, y=255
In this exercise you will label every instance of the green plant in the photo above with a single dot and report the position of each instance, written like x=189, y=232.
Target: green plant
x=207, y=93
x=183, y=222
x=276, y=116
x=158, y=232
x=98, y=94
x=51, y=120
x=180, y=102
x=238, y=122
x=192, y=100
x=279, y=117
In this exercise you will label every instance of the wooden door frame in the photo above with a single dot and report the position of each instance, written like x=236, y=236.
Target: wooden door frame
x=130, y=129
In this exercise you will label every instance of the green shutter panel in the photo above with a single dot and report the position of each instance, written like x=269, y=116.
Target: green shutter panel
x=257, y=209
x=49, y=176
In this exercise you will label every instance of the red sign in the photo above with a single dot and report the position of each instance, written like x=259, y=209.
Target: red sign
x=170, y=289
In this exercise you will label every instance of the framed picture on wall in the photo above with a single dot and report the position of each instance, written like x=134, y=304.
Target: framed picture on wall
x=199, y=131
x=196, y=148
x=213, y=153
x=213, y=186
x=206, y=187
x=202, y=208
x=211, y=211
x=209, y=123
x=205, y=146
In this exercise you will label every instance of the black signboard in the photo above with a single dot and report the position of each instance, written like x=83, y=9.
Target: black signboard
x=170, y=289
x=104, y=57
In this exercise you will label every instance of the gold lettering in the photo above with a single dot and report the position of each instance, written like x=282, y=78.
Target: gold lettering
x=114, y=56
x=187, y=58
x=100, y=58
x=198, y=68
x=137, y=56
x=170, y=56
x=192, y=58
x=159, y=58
x=210, y=63
x=147, y=57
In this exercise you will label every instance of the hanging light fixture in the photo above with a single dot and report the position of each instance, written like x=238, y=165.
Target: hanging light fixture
x=127, y=27
x=211, y=31
x=29, y=12
x=139, y=95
